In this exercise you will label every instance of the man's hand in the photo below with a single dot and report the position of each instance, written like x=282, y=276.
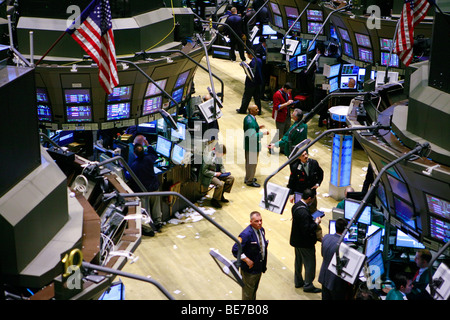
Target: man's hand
x=248, y=262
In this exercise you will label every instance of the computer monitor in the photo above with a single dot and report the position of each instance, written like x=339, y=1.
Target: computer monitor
x=298, y=62
x=153, y=90
x=332, y=71
x=42, y=95
x=363, y=40
x=365, y=55
x=180, y=133
x=348, y=49
x=177, y=95
x=439, y=229
x=147, y=127
x=151, y=105
x=333, y=33
x=350, y=236
x=385, y=44
x=350, y=207
x=290, y=47
x=344, y=34
x=121, y=93
x=349, y=69
x=399, y=188
x=394, y=62
x=291, y=12
x=438, y=206
x=314, y=27
x=404, y=212
x=296, y=27
x=314, y=15
x=181, y=80
x=163, y=146
x=268, y=31
x=375, y=267
x=334, y=84
x=178, y=154
x=44, y=112
x=275, y=8
x=345, y=82
x=278, y=21
x=381, y=194
x=293, y=63
x=118, y=111
x=65, y=138
x=373, y=243
x=402, y=240
x=78, y=113
x=77, y=96
x=115, y=292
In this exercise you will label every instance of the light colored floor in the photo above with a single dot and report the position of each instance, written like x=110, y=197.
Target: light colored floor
x=178, y=257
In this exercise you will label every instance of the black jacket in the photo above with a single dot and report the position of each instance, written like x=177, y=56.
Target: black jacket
x=299, y=180
x=303, y=230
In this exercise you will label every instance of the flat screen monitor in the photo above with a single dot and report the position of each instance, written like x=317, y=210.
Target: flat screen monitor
x=438, y=206
x=385, y=44
x=399, y=188
x=268, y=31
x=349, y=70
x=301, y=61
x=77, y=96
x=118, y=111
x=180, y=133
x=404, y=212
x=181, y=80
x=373, y=243
x=350, y=236
x=344, y=34
x=293, y=63
x=151, y=105
x=350, y=207
x=381, y=194
x=163, y=146
x=153, y=90
x=394, y=62
x=121, y=93
x=275, y=8
x=42, y=95
x=348, y=49
x=363, y=40
x=296, y=27
x=334, y=70
x=278, y=21
x=78, y=113
x=314, y=15
x=345, y=82
x=44, y=112
x=178, y=154
x=177, y=95
x=334, y=84
x=115, y=292
x=365, y=55
x=333, y=33
x=66, y=137
x=291, y=12
x=402, y=240
x=147, y=127
x=314, y=27
x=375, y=267
x=439, y=229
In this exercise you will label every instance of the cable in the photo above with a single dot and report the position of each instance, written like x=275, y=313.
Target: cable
x=170, y=32
x=80, y=187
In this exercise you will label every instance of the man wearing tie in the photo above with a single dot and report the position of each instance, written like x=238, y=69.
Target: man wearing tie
x=254, y=255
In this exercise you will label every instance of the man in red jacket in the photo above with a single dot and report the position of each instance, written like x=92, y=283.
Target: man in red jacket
x=282, y=100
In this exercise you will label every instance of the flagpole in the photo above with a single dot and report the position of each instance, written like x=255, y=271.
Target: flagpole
x=53, y=45
x=390, y=53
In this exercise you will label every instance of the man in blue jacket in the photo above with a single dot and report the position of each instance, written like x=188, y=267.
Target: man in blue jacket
x=252, y=87
x=236, y=24
x=254, y=255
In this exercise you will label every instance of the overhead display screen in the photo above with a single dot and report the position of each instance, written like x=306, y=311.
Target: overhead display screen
x=79, y=96
x=182, y=79
x=291, y=12
x=44, y=112
x=118, y=111
x=153, y=90
x=120, y=94
x=314, y=15
x=151, y=105
x=79, y=113
x=363, y=40
x=275, y=8
x=438, y=206
x=365, y=55
x=344, y=34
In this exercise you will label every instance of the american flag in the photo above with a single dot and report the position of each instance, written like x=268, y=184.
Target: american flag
x=95, y=36
x=414, y=11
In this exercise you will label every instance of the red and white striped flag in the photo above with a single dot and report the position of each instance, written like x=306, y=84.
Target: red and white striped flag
x=413, y=12
x=93, y=31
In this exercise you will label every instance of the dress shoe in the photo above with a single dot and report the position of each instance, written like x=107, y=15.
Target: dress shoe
x=239, y=111
x=215, y=204
x=224, y=200
x=253, y=184
x=300, y=285
x=311, y=289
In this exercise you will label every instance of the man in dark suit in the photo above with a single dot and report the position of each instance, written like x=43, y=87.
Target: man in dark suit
x=252, y=86
x=333, y=287
x=254, y=255
x=422, y=277
x=252, y=145
x=305, y=173
x=303, y=238
x=235, y=22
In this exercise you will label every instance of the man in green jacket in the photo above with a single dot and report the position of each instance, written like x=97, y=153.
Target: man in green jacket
x=296, y=134
x=213, y=172
x=252, y=145
x=403, y=286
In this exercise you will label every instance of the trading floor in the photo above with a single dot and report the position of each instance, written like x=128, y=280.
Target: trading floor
x=178, y=257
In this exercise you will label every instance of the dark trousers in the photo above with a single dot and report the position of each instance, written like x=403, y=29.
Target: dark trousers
x=305, y=257
x=251, y=283
x=249, y=93
x=236, y=44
